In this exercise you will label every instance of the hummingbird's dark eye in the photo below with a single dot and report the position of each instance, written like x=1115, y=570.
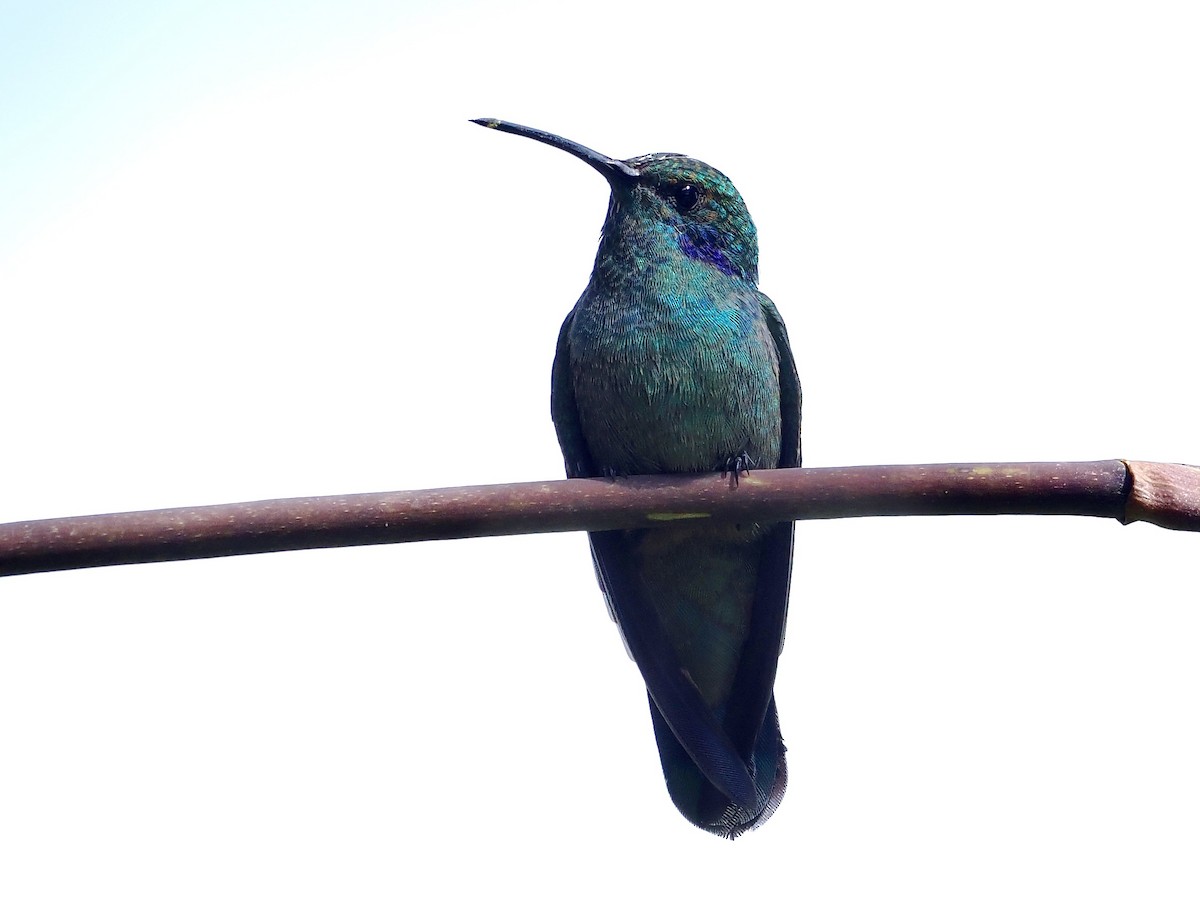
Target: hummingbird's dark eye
x=685, y=196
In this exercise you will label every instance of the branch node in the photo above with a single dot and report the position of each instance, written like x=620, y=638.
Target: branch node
x=1164, y=494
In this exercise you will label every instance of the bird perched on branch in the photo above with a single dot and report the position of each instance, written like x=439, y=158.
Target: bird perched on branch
x=673, y=361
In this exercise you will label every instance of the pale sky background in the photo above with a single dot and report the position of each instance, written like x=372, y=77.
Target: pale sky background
x=254, y=249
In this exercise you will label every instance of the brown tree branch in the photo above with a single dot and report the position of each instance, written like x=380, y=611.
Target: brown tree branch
x=1164, y=494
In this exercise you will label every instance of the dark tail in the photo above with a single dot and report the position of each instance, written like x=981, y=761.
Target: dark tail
x=705, y=806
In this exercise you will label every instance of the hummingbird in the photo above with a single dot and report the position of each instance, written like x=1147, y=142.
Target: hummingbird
x=672, y=360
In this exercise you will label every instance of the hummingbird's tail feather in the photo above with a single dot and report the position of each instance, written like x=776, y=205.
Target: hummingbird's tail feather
x=701, y=803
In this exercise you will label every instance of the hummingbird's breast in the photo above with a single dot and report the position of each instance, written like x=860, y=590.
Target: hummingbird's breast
x=675, y=376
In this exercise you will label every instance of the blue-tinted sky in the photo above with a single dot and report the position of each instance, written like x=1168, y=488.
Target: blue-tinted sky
x=80, y=82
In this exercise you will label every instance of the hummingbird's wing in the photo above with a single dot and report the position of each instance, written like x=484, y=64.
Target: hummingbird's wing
x=789, y=386
x=694, y=727
x=564, y=412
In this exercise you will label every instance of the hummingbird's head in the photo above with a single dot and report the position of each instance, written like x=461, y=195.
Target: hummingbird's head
x=697, y=202
x=668, y=194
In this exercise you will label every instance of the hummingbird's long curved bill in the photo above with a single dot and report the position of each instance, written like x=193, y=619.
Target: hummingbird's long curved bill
x=605, y=165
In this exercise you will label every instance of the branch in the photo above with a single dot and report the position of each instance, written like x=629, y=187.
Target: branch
x=1163, y=494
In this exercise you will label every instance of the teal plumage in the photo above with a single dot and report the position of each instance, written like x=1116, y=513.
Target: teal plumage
x=673, y=361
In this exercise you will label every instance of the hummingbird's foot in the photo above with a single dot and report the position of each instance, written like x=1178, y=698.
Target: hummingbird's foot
x=736, y=465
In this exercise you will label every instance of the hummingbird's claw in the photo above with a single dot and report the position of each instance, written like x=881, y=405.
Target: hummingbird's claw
x=736, y=465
